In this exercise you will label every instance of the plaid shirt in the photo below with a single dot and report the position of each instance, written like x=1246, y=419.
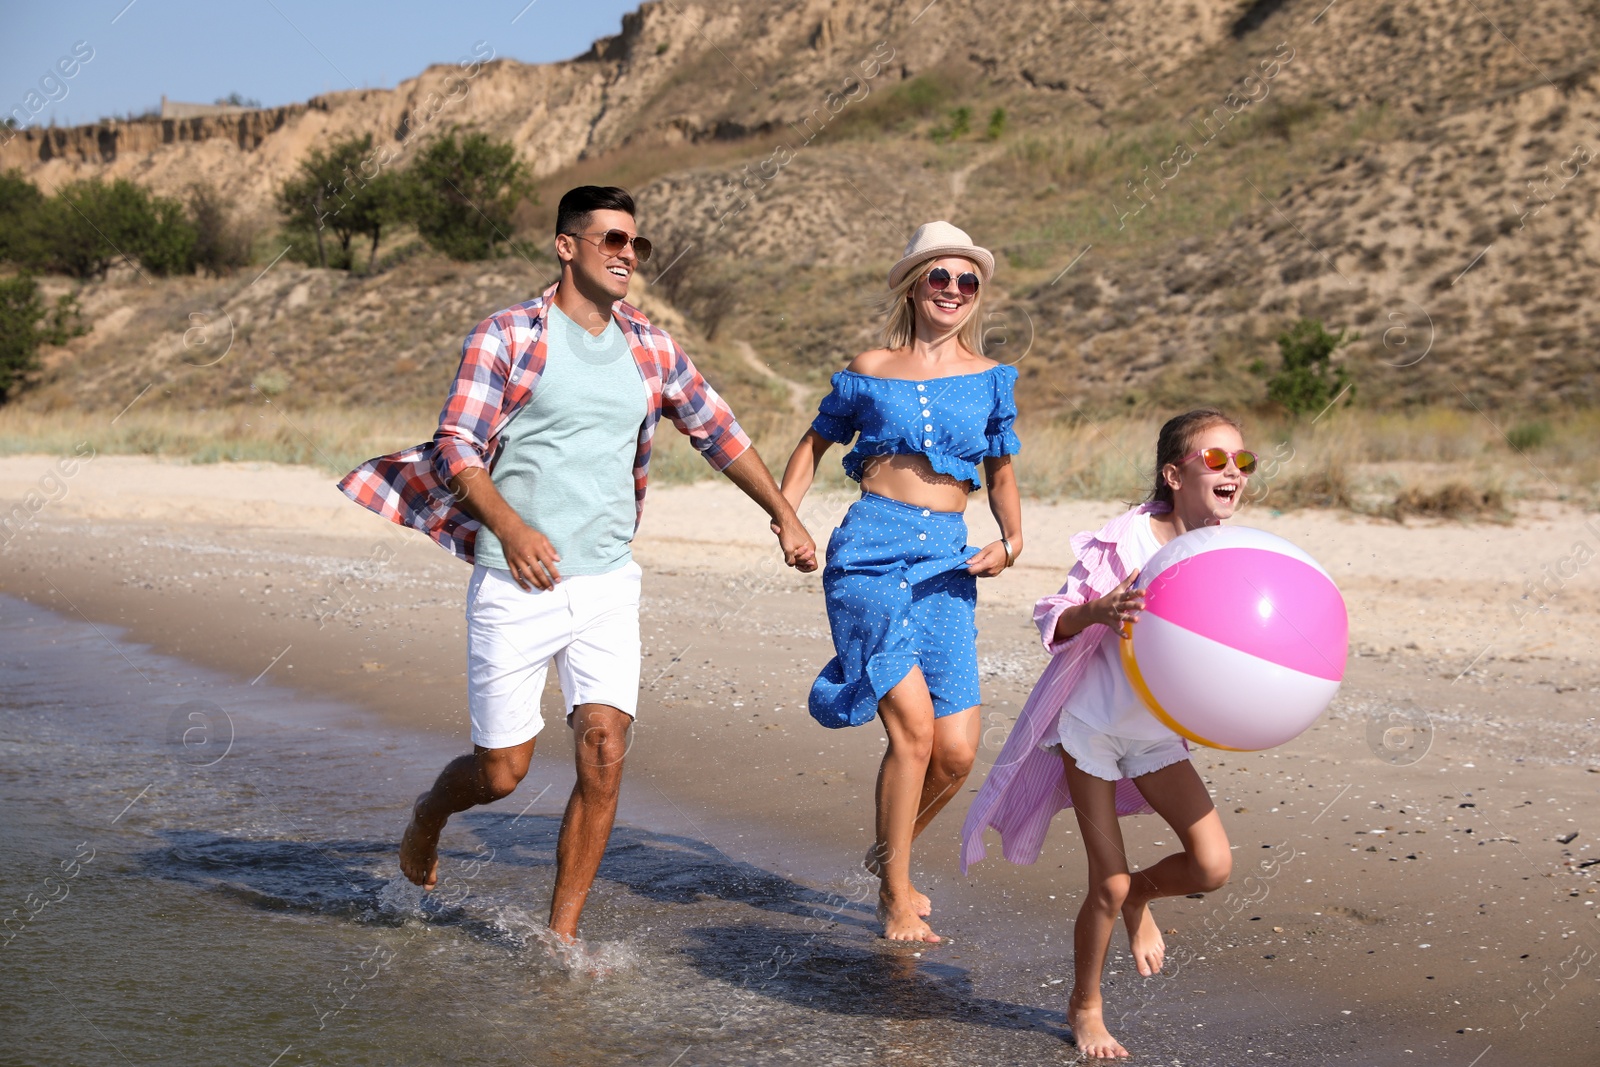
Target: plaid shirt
x=501, y=361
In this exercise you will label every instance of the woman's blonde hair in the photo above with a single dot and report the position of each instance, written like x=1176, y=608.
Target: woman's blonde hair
x=900, y=313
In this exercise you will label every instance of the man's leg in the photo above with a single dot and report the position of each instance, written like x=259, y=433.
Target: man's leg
x=601, y=735
x=466, y=781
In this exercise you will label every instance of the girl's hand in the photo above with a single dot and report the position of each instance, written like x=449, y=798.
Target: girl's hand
x=1121, y=606
x=989, y=562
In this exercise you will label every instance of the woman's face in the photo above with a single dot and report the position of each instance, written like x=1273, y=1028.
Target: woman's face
x=944, y=309
x=1205, y=497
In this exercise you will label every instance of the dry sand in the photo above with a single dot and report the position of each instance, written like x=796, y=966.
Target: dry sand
x=1434, y=909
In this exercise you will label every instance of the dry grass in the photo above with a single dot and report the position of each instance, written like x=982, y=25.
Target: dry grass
x=1433, y=463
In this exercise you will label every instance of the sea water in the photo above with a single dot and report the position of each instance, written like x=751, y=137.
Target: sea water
x=198, y=870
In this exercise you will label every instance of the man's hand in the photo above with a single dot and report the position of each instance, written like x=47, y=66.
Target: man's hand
x=799, y=551
x=531, y=557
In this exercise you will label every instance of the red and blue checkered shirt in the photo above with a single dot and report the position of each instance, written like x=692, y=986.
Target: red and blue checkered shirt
x=501, y=361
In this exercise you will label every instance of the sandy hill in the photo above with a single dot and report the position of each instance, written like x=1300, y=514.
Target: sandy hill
x=1169, y=186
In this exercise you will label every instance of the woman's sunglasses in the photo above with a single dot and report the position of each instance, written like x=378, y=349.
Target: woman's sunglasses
x=1217, y=459
x=939, y=278
x=612, y=242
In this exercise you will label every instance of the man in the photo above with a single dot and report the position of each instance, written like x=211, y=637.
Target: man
x=537, y=476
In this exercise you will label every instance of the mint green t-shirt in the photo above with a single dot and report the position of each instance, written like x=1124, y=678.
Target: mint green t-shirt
x=567, y=465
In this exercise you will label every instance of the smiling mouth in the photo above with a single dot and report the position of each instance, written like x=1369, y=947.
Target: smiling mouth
x=946, y=305
x=1227, y=491
x=619, y=271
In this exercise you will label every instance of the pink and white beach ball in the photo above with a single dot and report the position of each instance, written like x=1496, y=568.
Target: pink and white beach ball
x=1242, y=641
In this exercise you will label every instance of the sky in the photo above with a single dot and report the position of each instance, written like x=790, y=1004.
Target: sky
x=123, y=56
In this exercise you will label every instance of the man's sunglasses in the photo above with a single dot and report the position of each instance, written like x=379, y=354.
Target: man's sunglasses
x=939, y=278
x=612, y=242
x=1217, y=459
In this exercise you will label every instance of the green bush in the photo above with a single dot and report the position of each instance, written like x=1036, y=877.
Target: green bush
x=956, y=125
x=221, y=243
x=1307, y=380
x=26, y=323
x=21, y=221
x=1528, y=436
x=461, y=193
x=332, y=195
x=997, y=124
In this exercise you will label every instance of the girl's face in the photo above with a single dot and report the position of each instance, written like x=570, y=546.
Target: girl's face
x=1202, y=496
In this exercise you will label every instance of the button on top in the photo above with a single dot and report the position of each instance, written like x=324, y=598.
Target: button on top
x=922, y=388
x=902, y=585
x=924, y=512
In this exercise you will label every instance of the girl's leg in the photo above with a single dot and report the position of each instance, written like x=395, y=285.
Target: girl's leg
x=1094, y=801
x=907, y=714
x=1179, y=796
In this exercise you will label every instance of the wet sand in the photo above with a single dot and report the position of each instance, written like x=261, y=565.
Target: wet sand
x=1401, y=889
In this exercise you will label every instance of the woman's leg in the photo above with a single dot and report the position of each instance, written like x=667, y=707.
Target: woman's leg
x=955, y=746
x=907, y=714
x=1094, y=801
x=1179, y=796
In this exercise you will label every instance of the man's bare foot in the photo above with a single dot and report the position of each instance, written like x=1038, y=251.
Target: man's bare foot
x=919, y=901
x=419, y=848
x=902, y=923
x=1149, y=949
x=1089, y=1033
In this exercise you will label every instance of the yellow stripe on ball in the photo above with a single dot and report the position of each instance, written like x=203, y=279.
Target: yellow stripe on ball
x=1136, y=679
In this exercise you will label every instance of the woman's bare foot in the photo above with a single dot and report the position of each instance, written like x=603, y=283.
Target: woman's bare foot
x=1145, y=942
x=919, y=901
x=901, y=921
x=1089, y=1033
x=419, y=848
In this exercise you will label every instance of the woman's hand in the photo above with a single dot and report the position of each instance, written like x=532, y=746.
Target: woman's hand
x=989, y=562
x=1120, y=606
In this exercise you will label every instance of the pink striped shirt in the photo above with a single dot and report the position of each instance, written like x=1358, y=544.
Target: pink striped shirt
x=1027, y=785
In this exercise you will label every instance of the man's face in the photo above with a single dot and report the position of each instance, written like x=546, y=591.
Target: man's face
x=591, y=266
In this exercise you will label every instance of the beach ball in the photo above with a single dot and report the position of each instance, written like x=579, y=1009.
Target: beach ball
x=1242, y=641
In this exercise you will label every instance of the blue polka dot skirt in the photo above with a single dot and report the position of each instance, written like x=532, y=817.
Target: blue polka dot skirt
x=899, y=596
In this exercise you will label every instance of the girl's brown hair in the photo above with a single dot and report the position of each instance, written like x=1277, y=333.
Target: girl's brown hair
x=1176, y=440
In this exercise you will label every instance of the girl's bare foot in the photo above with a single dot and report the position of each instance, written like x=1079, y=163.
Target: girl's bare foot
x=1145, y=942
x=1089, y=1033
x=901, y=921
x=919, y=901
x=419, y=848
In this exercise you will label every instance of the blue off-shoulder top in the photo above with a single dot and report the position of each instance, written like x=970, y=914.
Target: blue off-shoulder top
x=955, y=421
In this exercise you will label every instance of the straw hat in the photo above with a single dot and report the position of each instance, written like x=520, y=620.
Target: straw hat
x=935, y=239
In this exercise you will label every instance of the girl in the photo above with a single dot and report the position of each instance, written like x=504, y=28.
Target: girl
x=1084, y=724
x=900, y=579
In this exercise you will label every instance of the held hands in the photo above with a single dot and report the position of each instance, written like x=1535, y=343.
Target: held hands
x=1120, y=606
x=799, y=551
x=530, y=555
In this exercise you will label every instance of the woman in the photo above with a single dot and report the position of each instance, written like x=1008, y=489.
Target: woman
x=900, y=579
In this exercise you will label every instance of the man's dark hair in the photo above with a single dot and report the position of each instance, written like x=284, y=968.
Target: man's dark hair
x=572, y=215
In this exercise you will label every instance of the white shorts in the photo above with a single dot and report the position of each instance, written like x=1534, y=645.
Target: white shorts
x=1110, y=757
x=588, y=623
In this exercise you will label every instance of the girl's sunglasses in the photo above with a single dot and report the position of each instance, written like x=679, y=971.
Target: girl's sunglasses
x=1217, y=459
x=612, y=242
x=939, y=278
